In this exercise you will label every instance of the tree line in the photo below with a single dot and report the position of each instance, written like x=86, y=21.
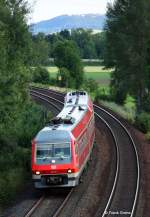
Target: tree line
x=20, y=118
x=89, y=45
x=67, y=48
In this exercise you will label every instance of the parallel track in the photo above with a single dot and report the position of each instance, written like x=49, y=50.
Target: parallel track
x=124, y=195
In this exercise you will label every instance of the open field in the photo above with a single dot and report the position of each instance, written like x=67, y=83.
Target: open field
x=98, y=73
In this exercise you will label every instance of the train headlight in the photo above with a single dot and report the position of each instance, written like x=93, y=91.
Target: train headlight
x=37, y=173
x=69, y=171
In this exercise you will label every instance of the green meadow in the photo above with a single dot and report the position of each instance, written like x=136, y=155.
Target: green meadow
x=98, y=73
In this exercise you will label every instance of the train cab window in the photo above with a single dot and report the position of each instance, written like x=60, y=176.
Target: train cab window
x=53, y=145
x=62, y=150
x=45, y=153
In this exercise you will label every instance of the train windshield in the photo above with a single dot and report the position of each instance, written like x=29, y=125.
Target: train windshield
x=53, y=153
x=53, y=146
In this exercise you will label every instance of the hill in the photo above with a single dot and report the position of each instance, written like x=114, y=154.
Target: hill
x=86, y=21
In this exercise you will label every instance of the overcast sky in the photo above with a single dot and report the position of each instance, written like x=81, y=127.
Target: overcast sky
x=46, y=9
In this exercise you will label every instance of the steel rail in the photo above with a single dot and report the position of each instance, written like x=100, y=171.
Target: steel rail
x=33, y=92
x=34, y=207
x=43, y=99
x=58, y=93
x=136, y=153
x=137, y=159
x=59, y=210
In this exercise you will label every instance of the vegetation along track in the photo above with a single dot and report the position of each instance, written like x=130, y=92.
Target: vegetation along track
x=124, y=194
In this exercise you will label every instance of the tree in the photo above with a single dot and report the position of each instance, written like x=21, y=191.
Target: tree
x=14, y=74
x=127, y=36
x=85, y=42
x=66, y=55
x=40, y=75
x=90, y=45
x=65, y=34
x=40, y=50
x=99, y=42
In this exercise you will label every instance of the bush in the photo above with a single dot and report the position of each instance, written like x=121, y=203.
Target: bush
x=103, y=93
x=15, y=169
x=40, y=75
x=116, y=108
x=31, y=120
x=90, y=85
x=130, y=106
x=143, y=122
x=10, y=182
x=15, y=158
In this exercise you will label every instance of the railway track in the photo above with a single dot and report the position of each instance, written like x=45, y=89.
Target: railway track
x=123, y=197
x=55, y=205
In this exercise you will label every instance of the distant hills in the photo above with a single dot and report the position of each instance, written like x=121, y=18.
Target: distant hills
x=86, y=21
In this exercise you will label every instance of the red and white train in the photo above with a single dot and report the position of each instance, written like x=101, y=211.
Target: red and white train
x=61, y=150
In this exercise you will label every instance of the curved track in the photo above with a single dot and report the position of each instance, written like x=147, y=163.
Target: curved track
x=56, y=207
x=124, y=194
x=55, y=204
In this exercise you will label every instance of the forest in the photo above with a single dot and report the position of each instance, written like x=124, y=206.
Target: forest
x=20, y=119
x=90, y=45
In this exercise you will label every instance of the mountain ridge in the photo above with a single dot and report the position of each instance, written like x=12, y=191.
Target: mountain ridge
x=56, y=24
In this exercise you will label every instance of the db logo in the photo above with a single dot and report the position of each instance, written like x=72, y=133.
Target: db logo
x=53, y=167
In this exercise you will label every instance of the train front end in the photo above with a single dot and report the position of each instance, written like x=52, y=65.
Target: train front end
x=53, y=161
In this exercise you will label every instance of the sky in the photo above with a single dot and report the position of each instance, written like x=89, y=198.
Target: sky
x=47, y=9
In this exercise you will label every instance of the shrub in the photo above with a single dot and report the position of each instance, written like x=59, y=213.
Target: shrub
x=30, y=121
x=15, y=158
x=143, y=122
x=116, y=108
x=103, y=93
x=10, y=182
x=90, y=85
x=40, y=75
x=130, y=106
x=15, y=169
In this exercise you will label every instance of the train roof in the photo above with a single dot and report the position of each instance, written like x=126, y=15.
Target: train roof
x=75, y=106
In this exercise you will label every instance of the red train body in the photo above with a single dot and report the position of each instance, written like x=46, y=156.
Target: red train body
x=61, y=150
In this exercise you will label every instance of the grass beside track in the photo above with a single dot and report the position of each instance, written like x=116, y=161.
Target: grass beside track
x=98, y=73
